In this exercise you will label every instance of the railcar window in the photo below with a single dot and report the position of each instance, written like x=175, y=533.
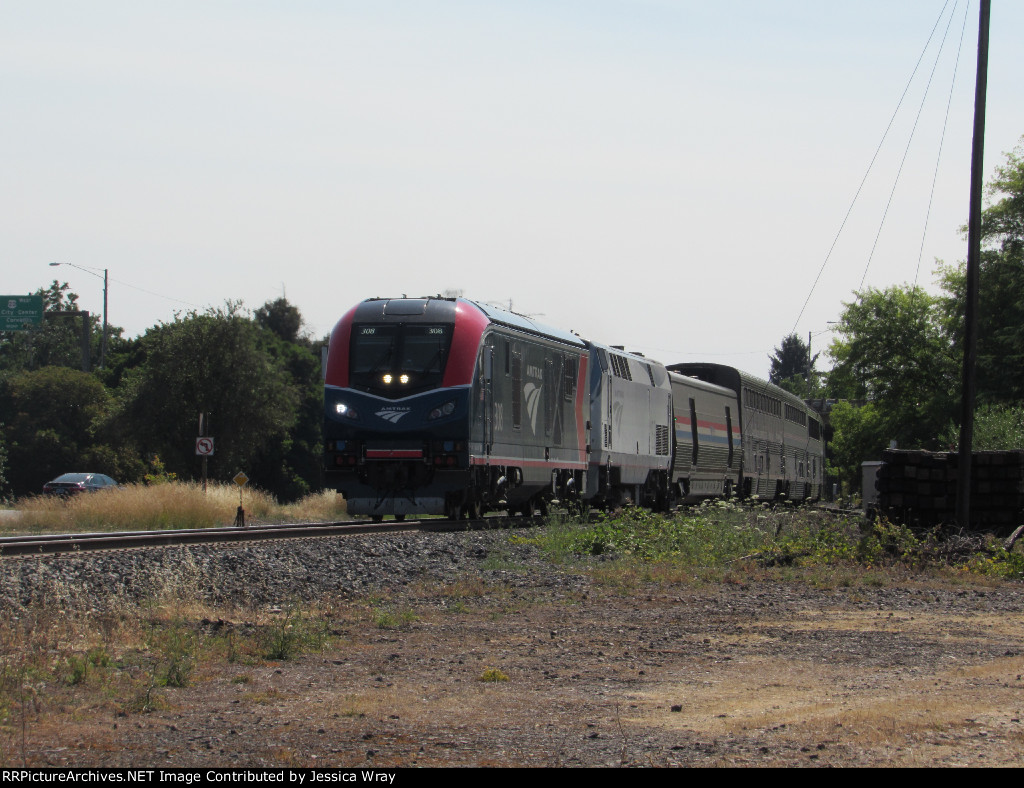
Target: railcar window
x=728, y=429
x=424, y=349
x=373, y=348
x=552, y=377
x=517, y=389
x=569, y=386
x=397, y=359
x=795, y=415
x=762, y=402
x=693, y=429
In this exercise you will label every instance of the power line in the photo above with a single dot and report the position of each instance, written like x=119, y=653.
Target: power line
x=870, y=166
x=906, y=152
x=942, y=139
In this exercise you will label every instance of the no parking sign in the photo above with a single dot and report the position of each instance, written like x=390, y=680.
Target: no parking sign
x=204, y=447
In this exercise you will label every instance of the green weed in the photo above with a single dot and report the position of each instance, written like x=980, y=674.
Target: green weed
x=492, y=675
x=393, y=619
x=294, y=633
x=176, y=650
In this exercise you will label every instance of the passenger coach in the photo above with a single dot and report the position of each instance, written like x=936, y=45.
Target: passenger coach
x=783, y=450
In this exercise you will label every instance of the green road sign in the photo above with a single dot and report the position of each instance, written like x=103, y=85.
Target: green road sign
x=18, y=313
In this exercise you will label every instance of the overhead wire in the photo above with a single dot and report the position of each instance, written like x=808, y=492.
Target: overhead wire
x=150, y=292
x=942, y=139
x=906, y=150
x=885, y=135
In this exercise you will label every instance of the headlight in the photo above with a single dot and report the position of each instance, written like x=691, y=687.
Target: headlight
x=445, y=410
x=344, y=410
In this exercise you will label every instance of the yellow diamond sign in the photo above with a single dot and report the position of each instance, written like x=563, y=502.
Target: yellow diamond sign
x=240, y=479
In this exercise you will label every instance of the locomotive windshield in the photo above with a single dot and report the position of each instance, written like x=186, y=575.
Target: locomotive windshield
x=398, y=359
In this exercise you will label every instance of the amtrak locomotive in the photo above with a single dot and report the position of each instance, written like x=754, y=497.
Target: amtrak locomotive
x=448, y=406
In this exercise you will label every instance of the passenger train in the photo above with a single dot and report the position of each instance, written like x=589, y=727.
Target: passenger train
x=452, y=407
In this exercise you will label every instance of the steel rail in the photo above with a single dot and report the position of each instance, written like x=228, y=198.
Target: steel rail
x=56, y=544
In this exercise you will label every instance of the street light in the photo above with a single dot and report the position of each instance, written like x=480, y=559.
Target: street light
x=103, y=342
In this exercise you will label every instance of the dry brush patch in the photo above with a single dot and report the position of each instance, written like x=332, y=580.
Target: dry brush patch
x=165, y=505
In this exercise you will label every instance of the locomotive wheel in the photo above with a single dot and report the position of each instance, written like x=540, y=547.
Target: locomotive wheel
x=378, y=518
x=399, y=518
x=453, y=511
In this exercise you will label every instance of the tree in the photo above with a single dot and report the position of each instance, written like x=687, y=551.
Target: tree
x=996, y=428
x=892, y=349
x=1000, y=349
x=792, y=367
x=213, y=363
x=291, y=467
x=57, y=423
x=58, y=341
x=280, y=317
x=858, y=435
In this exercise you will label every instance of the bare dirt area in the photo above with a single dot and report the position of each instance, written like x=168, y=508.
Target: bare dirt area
x=541, y=665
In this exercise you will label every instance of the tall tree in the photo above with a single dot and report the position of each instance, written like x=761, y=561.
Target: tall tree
x=281, y=317
x=291, y=467
x=1001, y=287
x=211, y=363
x=792, y=365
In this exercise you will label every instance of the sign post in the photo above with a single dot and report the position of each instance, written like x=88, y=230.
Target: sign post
x=240, y=479
x=20, y=312
x=204, y=444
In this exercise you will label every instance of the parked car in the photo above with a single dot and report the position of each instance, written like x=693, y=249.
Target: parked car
x=71, y=483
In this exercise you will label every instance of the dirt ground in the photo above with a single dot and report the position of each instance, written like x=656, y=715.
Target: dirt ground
x=920, y=672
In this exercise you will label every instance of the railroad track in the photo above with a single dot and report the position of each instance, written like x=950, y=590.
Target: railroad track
x=57, y=544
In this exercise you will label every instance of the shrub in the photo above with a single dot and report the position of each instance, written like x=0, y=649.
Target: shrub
x=492, y=675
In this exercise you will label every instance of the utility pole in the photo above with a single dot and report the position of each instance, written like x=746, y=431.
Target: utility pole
x=809, y=362
x=103, y=340
x=84, y=341
x=963, y=485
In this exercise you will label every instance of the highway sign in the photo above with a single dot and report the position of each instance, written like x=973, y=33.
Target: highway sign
x=240, y=478
x=204, y=447
x=20, y=312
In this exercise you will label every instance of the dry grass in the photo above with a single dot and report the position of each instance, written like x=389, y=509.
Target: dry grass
x=171, y=505
x=324, y=506
x=62, y=670
x=63, y=663
x=817, y=704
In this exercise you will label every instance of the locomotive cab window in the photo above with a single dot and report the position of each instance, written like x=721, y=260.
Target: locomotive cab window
x=398, y=359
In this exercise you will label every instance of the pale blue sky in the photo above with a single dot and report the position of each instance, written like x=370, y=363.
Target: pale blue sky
x=664, y=174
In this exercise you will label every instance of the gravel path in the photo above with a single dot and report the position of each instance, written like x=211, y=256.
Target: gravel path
x=757, y=670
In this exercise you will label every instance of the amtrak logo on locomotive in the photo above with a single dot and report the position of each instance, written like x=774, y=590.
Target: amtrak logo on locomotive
x=393, y=414
x=532, y=401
